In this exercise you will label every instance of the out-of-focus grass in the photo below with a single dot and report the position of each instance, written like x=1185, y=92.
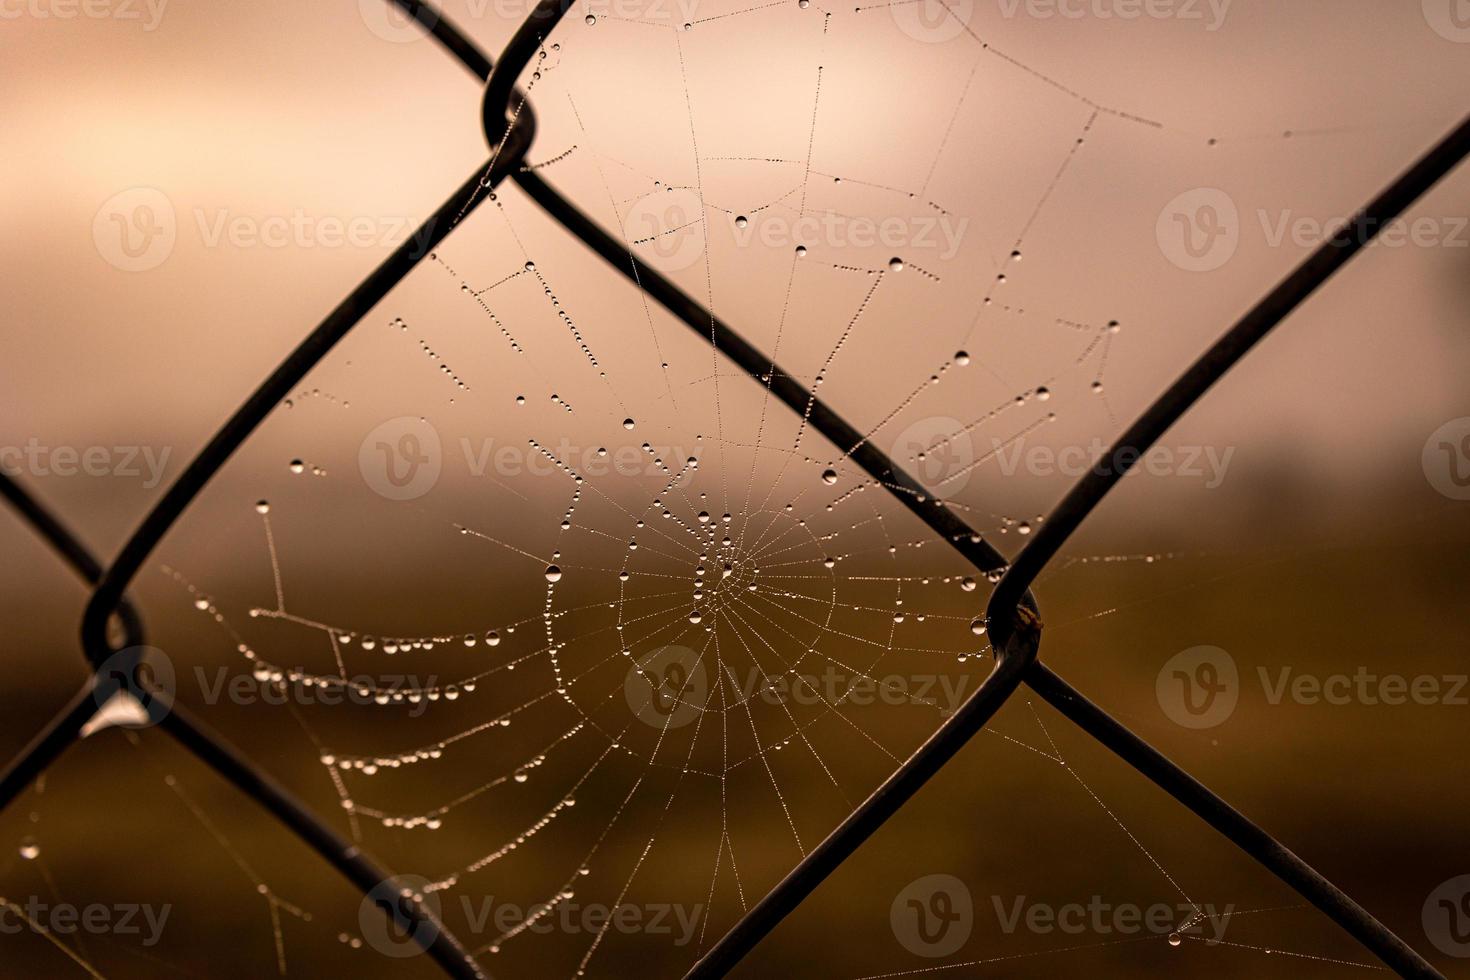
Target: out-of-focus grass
x=1374, y=796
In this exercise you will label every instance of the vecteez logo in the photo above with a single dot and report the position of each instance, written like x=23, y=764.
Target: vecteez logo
x=137, y=687
x=667, y=228
x=940, y=453
x=389, y=921
x=667, y=688
x=390, y=22
x=1101, y=917
x=1450, y=19
x=402, y=458
x=933, y=916
x=1208, y=13
x=149, y=13
x=911, y=236
x=1446, y=459
x=135, y=230
x=1199, y=230
x=1201, y=687
x=1446, y=917
x=1198, y=687
x=933, y=21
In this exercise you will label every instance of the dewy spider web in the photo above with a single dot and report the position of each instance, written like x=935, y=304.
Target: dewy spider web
x=756, y=556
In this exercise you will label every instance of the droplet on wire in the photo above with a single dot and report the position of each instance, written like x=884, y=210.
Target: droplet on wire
x=829, y=477
x=553, y=574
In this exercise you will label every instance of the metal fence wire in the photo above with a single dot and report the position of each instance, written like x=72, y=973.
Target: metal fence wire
x=112, y=635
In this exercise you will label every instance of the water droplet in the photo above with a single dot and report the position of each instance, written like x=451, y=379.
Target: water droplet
x=977, y=626
x=801, y=251
x=628, y=423
x=1023, y=528
x=262, y=507
x=29, y=849
x=297, y=466
x=1043, y=393
x=741, y=221
x=591, y=20
x=1175, y=939
x=967, y=583
x=895, y=264
x=492, y=638
x=962, y=358
x=1097, y=387
x=695, y=616
x=829, y=477
x=553, y=574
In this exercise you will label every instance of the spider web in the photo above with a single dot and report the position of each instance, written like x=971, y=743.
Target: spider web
x=615, y=628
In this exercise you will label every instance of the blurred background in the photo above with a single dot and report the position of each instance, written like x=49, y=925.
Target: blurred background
x=987, y=234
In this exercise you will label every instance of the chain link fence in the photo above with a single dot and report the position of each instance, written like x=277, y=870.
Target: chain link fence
x=114, y=642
